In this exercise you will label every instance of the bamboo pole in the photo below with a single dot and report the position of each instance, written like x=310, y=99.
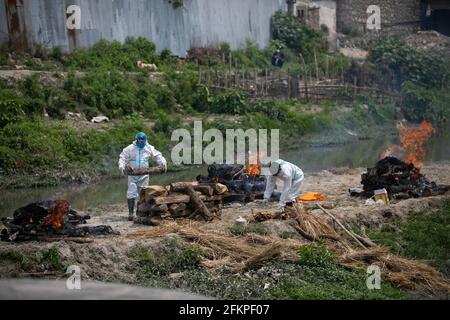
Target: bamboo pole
x=342, y=226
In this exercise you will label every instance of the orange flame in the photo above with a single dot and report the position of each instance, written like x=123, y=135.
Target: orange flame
x=413, y=139
x=57, y=213
x=253, y=168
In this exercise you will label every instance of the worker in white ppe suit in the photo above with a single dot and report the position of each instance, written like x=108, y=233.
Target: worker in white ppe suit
x=137, y=156
x=292, y=178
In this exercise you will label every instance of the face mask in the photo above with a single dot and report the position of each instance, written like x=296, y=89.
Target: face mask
x=140, y=144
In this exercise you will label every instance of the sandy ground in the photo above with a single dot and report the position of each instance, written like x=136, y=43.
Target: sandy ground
x=106, y=258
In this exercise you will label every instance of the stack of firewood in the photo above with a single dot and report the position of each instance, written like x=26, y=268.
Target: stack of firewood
x=190, y=200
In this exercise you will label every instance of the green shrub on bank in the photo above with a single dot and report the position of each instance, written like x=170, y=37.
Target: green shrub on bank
x=114, y=55
x=296, y=35
x=38, y=148
x=424, y=67
x=420, y=103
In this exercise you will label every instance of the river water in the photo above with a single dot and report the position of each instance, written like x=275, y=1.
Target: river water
x=355, y=155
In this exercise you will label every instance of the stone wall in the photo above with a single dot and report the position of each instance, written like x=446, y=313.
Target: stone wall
x=397, y=16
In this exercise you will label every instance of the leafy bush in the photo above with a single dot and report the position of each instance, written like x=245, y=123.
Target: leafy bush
x=427, y=68
x=11, y=111
x=56, y=53
x=166, y=124
x=34, y=147
x=231, y=101
x=420, y=103
x=114, y=55
x=316, y=255
x=296, y=35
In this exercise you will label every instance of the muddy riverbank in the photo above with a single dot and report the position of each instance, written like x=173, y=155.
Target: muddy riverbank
x=113, y=258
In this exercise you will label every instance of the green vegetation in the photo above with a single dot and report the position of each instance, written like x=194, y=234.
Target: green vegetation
x=315, y=276
x=36, y=148
x=43, y=259
x=296, y=35
x=422, y=77
x=105, y=80
x=240, y=229
x=423, y=236
x=114, y=55
x=155, y=266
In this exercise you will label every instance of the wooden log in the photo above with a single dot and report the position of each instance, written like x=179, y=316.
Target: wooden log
x=198, y=203
x=182, y=198
x=173, y=198
x=150, y=192
x=179, y=186
x=176, y=209
x=204, y=189
x=146, y=171
x=146, y=209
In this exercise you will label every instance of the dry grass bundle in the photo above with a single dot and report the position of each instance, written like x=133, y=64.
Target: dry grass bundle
x=310, y=226
x=223, y=246
x=404, y=273
x=237, y=253
x=269, y=253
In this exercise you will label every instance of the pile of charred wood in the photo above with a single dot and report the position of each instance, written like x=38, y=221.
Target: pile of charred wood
x=237, y=179
x=49, y=220
x=400, y=179
x=190, y=200
x=200, y=200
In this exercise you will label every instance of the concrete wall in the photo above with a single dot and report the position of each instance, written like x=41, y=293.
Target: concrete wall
x=396, y=15
x=198, y=23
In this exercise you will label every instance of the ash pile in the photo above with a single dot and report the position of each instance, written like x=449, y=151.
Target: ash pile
x=400, y=179
x=49, y=220
x=201, y=200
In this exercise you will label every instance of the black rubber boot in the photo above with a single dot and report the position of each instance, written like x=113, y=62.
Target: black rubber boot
x=131, y=209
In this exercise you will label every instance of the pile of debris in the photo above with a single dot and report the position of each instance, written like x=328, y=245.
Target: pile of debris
x=246, y=181
x=49, y=220
x=203, y=199
x=190, y=200
x=400, y=179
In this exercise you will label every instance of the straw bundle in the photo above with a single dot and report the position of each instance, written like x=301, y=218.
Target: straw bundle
x=404, y=273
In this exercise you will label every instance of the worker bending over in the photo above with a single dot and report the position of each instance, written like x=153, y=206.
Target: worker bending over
x=292, y=178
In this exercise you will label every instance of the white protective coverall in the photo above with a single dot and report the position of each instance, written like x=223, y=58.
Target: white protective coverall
x=292, y=178
x=138, y=158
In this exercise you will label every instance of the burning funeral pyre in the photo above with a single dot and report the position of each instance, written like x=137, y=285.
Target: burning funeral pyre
x=244, y=181
x=52, y=219
x=203, y=199
x=401, y=180
x=398, y=171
